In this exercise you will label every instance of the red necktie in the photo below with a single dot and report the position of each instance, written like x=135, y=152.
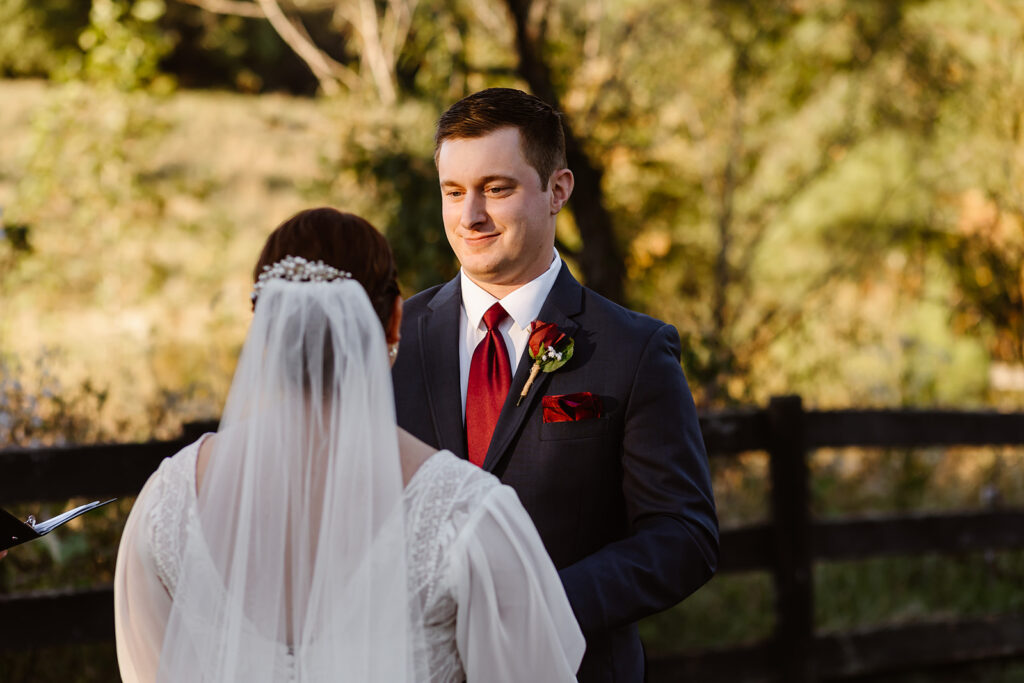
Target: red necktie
x=490, y=377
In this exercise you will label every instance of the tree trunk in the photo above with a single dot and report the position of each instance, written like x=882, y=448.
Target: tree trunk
x=604, y=268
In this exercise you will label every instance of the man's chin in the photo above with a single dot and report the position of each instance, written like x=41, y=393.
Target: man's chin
x=483, y=276
x=481, y=263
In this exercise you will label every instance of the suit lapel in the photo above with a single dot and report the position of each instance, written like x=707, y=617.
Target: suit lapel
x=439, y=341
x=564, y=300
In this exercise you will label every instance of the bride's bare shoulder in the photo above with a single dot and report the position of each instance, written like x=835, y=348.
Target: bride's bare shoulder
x=413, y=453
x=203, y=459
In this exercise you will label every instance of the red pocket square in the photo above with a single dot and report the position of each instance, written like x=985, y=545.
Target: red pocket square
x=571, y=407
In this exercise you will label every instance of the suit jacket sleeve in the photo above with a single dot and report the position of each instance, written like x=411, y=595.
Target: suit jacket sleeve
x=672, y=546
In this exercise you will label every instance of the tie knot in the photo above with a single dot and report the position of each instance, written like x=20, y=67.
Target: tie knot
x=494, y=315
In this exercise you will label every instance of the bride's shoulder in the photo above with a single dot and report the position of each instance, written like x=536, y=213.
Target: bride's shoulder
x=174, y=476
x=170, y=481
x=452, y=477
x=182, y=463
x=422, y=462
x=447, y=461
x=475, y=483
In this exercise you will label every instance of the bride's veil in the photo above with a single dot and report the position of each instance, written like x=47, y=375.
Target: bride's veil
x=295, y=567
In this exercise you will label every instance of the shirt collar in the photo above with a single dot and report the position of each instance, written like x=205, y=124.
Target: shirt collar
x=522, y=305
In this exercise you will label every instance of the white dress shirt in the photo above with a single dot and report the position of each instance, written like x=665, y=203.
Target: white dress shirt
x=523, y=307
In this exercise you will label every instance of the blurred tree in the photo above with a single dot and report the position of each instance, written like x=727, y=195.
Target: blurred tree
x=123, y=44
x=600, y=257
x=382, y=32
x=980, y=234
x=232, y=52
x=739, y=137
x=381, y=166
x=795, y=185
x=37, y=37
x=377, y=32
x=115, y=41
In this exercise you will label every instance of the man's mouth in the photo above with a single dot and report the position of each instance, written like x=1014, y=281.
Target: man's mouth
x=480, y=240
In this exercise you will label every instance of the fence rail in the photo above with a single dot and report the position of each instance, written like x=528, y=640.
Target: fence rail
x=787, y=545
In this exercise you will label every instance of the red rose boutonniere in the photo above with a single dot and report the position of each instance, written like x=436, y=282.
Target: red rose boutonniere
x=550, y=349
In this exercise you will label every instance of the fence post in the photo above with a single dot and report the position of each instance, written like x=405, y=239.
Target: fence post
x=791, y=517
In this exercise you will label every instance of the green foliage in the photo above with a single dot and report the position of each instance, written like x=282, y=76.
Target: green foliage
x=116, y=42
x=35, y=409
x=81, y=170
x=741, y=488
x=38, y=37
x=789, y=182
x=38, y=408
x=123, y=44
x=730, y=610
x=902, y=590
x=145, y=215
x=781, y=177
x=232, y=52
x=382, y=168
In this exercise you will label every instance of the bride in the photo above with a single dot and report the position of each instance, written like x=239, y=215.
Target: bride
x=310, y=539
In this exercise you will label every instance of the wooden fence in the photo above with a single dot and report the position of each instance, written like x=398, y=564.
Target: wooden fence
x=786, y=546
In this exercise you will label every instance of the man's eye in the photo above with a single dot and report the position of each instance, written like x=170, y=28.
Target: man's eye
x=496, y=190
x=454, y=194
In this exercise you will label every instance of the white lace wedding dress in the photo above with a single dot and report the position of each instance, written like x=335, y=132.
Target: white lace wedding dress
x=492, y=606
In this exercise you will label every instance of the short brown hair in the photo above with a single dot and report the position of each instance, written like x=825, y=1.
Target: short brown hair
x=539, y=125
x=342, y=240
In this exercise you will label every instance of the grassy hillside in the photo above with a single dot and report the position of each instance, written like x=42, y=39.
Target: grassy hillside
x=144, y=217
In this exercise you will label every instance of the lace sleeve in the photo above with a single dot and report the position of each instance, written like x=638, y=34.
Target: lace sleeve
x=513, y=622
x=141, y=603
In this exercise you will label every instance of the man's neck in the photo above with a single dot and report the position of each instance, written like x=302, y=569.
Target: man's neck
x=499, y=290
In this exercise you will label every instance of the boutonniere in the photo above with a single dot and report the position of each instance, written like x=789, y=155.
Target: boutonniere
x=550, y=349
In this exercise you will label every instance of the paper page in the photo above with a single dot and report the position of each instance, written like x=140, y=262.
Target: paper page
x=51, y=524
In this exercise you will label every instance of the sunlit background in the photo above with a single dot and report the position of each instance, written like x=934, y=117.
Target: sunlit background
x=826, y=198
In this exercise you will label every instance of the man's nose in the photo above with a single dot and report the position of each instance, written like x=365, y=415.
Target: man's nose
x=474, y=211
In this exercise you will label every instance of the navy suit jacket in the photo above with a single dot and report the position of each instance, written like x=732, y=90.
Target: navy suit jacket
x=623, y=501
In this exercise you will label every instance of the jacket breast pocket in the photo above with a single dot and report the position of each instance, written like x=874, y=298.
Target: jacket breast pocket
x=594, y=427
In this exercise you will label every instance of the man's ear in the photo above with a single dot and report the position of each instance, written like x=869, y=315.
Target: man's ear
x=561, y=184
x=394, y=331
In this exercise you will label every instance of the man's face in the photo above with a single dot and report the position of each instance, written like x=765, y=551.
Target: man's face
x=499, y=221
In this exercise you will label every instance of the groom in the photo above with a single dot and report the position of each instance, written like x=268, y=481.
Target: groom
x=605, y=452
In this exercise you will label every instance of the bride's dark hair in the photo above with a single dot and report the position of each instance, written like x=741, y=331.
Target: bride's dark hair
x=342, y=240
